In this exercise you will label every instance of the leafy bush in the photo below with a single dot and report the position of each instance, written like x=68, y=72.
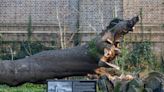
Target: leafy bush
x=142, y=56
x=27, y=49
x=139, y=58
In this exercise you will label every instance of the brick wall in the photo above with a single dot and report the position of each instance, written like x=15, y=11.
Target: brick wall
x=152, y=10
x=96, y=14
x=89, y=16
x=153, y=20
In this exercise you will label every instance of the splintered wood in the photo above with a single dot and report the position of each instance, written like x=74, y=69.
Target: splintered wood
x=111, y=74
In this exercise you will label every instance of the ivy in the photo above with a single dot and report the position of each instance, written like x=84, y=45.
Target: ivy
x=93, y=50
x=142, y=54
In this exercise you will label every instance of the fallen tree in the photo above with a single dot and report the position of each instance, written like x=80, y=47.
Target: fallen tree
x=75, y=61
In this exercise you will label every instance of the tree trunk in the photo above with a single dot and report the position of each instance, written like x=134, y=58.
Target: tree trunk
x=48, y=65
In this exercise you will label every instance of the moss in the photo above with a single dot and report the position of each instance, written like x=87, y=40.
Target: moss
x=117, y=87
x=93, y=51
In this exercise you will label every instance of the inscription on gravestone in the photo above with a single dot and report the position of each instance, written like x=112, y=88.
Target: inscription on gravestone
x=71, y=86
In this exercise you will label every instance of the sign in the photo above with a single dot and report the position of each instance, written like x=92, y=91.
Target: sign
x=71, y=86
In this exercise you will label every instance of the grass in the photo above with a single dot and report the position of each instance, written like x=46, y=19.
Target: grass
x=28, y=87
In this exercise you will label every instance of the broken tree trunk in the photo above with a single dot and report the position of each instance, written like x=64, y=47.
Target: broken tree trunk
x=79, y=60
x=48, y=65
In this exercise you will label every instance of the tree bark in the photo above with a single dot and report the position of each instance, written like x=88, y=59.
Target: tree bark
x=48, y=65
